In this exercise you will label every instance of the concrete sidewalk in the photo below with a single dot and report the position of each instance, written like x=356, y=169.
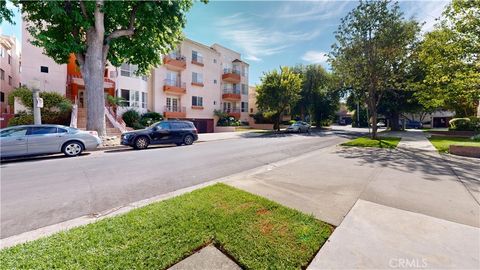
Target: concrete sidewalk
x=406, y=179
x=413, y=140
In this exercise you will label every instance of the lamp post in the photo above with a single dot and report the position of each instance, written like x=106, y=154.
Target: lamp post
x=37, y=103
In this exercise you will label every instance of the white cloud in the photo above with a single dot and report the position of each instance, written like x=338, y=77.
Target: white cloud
x=315, y=57
x=426, y=12
x=310, y=10
x=259, y=41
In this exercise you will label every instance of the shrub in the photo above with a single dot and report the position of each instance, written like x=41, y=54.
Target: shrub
x=465, y=124
x=131, y=118
x=263, y=118
x=149, y=118
x=22, y=118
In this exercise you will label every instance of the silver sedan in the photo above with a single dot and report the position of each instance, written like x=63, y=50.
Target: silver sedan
x=31, y=140
x=298, y=127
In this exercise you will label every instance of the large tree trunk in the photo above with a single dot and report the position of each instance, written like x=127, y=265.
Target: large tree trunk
x=394, y=121
x=373, y=116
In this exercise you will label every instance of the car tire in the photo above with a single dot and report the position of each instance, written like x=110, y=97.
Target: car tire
x=188, y=140
x=72, y=148
x=141, y=142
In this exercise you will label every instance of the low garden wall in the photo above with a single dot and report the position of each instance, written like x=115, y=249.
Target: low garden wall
x=224, y=129
x=466, y=151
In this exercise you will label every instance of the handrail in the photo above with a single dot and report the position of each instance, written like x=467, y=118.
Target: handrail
x=231, y=91
x=175, y=109
x=74, y=114
x=176, y=83
x=231, y=70
x=231, y=110
x=116, y=121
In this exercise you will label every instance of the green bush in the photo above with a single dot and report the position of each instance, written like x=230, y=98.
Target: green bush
x=48, y=117
x=22, y=118
x=131, y=118
x=465, y=124
x=263, y=118
x=149, y=118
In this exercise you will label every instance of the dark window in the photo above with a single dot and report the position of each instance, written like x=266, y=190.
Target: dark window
x=2, y=97
x=62, y=130
x=9, y=59
x=164, y=125
x=42, y=130
x=2, y=74
x=126, y=96
x=178, y=125
x=13, y=132
x=44, y=69
x=9, y=80
x=197, y=101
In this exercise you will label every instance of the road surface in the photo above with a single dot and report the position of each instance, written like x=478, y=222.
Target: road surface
x=40, y=192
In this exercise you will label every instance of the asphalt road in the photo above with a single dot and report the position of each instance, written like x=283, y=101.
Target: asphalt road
x=40, y=192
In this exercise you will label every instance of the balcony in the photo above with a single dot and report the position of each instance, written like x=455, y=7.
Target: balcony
x=232, y=94
x=197, y=60
x=174, y=112
x=174, y=87
x=235, y=113
x=231, y=75
x=175, y=62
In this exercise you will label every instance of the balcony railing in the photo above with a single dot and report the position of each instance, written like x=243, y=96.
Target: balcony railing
x=231, y=91
x=175, y=61
x=175, y=83
x=234, y=110
x=176, y=56
x=178, y=109
x=231, y=71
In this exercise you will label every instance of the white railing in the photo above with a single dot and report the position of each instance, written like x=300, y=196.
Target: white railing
x=116, y=121
x=74, y=115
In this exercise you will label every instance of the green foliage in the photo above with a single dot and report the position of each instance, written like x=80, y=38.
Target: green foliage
x=224, y=120
x=22, y=118
x=149, y=118
x=258, y=233
x=382, y=142
x=131, y=118
x=465, y=124
x=373, y=51
x=5, y=13
x=263, y=118
x=442, y=144
x=115, y=101
x=278, y=92
x=450, y=60
x=155, y=30
x=24, y=94
x=52, y=101
x=48, y=117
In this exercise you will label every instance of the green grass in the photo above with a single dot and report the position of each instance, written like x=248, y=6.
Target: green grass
x=256, y=232
x=442, y=143
x=382, y=142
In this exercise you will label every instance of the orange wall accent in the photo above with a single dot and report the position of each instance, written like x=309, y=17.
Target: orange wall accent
x=72, y=68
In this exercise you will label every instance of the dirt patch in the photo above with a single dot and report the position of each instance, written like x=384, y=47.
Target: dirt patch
x=266, y=227
x=263, y=211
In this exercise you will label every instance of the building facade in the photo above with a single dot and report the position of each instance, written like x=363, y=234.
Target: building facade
x=9, y=75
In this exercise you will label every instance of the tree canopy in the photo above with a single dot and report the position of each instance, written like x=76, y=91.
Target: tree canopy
x=278, y=92
x=5, y=13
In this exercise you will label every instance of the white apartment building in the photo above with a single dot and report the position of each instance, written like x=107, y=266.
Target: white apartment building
x=9, y=74
x=195, y=80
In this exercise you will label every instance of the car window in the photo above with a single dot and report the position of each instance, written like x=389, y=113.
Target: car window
x=163, y=125
x=14, y=132
x=42, y=130
x=177, y=125
x=62, y=130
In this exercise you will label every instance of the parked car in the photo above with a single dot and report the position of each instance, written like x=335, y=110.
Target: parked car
x=413, y=124
x=381, y=124
x=342, y=122
x=298, y=127
x=164, y=132
x=32, y=140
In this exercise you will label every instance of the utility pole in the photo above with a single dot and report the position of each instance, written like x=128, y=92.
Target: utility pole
x=37, y=103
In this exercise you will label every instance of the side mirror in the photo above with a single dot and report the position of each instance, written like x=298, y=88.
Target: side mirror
x=155, y=128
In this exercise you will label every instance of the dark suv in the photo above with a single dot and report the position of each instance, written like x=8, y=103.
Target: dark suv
x=164, y=132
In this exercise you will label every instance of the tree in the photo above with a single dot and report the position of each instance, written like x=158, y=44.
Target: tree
x=278, y=92
x=5, y=13
x=450, y=58
x=135, y=32
x=373, y=45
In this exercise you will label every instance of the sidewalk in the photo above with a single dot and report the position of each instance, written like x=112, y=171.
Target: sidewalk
x=411, y=199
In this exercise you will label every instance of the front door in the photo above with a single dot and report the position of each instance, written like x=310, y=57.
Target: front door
x=173, y=104
x=44, y=140
x=162, y=133
x=13, y=142
x=82, y=99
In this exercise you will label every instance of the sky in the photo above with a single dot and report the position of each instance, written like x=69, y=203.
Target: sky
x=270, y=34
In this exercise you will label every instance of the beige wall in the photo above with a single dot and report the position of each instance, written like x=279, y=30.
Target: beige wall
x=252, y=100
x=11, y=70
x=32, y=60
x=132, y=83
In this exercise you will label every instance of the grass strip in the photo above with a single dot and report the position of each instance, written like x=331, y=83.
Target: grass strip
x=256, y=232
x=381, y=142
x=443, y=143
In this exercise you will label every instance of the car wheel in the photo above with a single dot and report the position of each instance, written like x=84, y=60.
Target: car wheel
x=188, y=140
x=141, y=143
x=72, y=149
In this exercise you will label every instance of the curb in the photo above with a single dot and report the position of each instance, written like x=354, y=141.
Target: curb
x=87, y=219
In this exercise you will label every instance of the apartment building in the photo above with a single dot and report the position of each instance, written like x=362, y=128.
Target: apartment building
x=9, y=74
x=195, y=80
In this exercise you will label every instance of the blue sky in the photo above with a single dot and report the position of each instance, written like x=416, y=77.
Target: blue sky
x=273, y=33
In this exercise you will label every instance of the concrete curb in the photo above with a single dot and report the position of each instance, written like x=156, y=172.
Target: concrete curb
x=87, y=219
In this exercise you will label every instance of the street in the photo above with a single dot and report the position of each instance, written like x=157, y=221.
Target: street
x=40, y=192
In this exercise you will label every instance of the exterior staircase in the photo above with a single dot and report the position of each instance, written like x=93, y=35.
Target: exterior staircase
x=82, y=123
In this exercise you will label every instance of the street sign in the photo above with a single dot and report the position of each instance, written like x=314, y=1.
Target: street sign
x=39, y=102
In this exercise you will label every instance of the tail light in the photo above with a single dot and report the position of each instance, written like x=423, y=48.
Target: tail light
x=92, y=132
x=196, y=131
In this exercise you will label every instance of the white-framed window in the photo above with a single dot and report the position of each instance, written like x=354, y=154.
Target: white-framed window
x=125, y=94
x=197, y=77
x=135, y=97
x=197, y=57
x=244, y=70
x=128, y=70
x=244, y=89
x=144, y=100
x=197, y=101
x=244, y=106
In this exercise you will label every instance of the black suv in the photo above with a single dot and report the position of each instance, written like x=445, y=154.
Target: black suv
x=164, y=132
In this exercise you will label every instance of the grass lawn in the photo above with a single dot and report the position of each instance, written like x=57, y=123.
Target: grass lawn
x=256, y=232
x=382, y=142
x=442, y=143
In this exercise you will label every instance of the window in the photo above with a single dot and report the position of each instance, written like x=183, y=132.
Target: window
x=214, y=61
x=197, y=101
x=244, y=106
x=215, y=81
x=197, y=57
x=144, y=100
x=9, y=80
x=62, y=130
x=2, y=74
x=244, y=71
x=163, y=125
x=2, y=97
x=179, y=125
x=197, y=77
x=14, y=132
x=125, y=94
x=42, y=130
x=9, y=59
x=244, y=89
x=44, y=69
x=128, y=70
x=134, y=98
x=2, y=51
